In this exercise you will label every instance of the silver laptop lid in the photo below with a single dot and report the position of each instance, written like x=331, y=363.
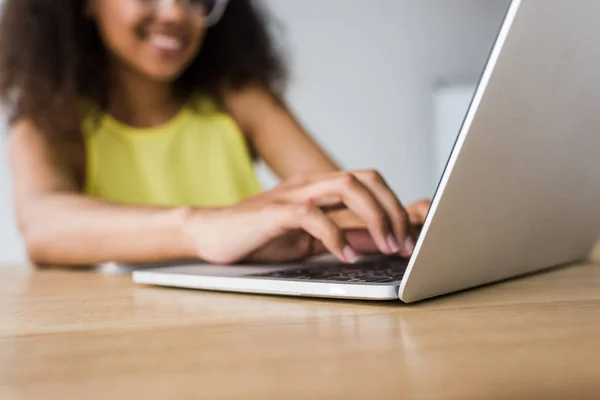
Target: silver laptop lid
x=521, y=191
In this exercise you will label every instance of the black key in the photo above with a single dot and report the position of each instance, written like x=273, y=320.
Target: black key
x=370, y=271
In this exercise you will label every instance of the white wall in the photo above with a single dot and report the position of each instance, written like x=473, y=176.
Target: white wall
x=450, y=103
x=364, y=74
x=365, y=71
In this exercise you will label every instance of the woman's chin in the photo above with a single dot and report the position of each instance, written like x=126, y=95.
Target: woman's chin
x=163, y=75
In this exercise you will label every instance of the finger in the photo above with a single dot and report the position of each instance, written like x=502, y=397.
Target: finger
x=417, y=212
x=315, y=222
x=410, y=241
x=329, y=201
x=398, y=216
x=295, y=245
x=359, y=239
x=345, y=218
x=414, y=216
x=359, y=199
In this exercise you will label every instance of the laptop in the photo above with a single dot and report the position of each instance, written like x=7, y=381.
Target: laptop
x=520, y=192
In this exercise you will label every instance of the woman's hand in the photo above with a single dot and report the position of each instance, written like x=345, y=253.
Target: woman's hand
x=281, y=224
x=297, y=245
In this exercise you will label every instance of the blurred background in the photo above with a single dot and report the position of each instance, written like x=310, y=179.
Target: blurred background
x=381, y=84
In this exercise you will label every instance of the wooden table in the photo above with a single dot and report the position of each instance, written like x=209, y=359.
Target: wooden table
x=82, y=335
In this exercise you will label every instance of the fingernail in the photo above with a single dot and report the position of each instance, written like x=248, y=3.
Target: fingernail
x=350, y=255
x=393, y=243
x=409, y=244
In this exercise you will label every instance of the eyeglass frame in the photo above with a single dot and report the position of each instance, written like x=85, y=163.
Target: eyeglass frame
x=212, y=18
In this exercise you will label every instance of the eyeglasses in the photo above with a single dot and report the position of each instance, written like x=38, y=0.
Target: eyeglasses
x=210, y=10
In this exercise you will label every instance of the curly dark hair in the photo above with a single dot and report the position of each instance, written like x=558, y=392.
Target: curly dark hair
x=52, y=57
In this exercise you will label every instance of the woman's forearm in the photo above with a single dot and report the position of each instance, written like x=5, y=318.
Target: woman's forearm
x=71, y=229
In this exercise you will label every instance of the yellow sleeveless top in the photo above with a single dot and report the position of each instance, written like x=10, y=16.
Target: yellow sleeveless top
x=200, y=157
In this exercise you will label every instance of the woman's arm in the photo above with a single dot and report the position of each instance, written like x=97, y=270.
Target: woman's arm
x=61, y=226
x=277, y=136
x=288, y=149
x=282, y=142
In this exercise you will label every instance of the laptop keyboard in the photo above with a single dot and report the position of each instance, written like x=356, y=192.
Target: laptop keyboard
x=372, y=271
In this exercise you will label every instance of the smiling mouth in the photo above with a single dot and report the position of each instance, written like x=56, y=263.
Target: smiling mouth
x=166, y=42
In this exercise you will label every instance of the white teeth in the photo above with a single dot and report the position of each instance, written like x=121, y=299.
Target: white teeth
x=166, y=42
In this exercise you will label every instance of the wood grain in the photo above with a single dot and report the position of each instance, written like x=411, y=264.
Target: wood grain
x=83, y=334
